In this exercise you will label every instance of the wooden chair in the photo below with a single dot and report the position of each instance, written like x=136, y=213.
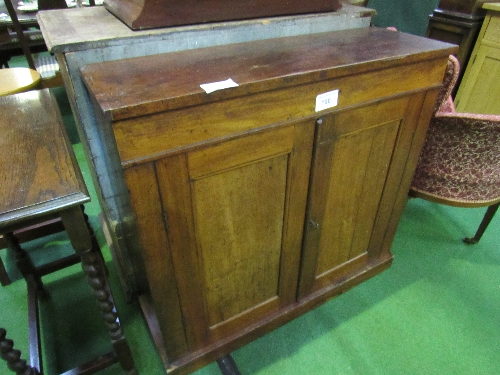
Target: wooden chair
x=47, y=66
x=460, y=162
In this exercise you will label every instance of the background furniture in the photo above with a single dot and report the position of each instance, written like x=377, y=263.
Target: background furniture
x=457, y=22
x=460, y=161
x=45, y=65
x=9, y=41
x=247, y=221
x=147, y=14
x=15, y=80
x=479, y=91
x=107, y=38
x=41, y=181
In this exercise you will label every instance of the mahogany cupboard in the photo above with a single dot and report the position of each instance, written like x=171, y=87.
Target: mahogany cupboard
x=256, y=203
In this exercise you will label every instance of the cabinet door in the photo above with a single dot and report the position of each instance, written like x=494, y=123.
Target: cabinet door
x=234, y=215
x=354, y=154
x=479, y=91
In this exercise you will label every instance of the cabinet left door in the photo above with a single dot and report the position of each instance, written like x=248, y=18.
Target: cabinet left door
x=221, y=230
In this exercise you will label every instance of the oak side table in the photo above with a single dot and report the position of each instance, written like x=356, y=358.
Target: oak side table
x=40, y=180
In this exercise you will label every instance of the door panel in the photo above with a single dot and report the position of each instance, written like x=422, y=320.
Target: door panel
x=350, y=167
x=235, y=214
x=239, y=241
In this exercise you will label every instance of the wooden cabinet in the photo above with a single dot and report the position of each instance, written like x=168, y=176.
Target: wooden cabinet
x=457, y=22
x=479, y=91
x=254, y=204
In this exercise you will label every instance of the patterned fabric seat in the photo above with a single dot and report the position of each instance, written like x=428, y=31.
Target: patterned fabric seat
x=460, y=162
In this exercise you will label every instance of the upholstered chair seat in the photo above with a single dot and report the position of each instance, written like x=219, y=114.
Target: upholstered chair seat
x=460, y=162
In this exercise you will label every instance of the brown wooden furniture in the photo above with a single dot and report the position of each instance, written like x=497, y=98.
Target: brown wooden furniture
x=253, y=205
x=479, y=91
x=41, y=181
x=107, y=38
x=457, y=22
x=147, y=14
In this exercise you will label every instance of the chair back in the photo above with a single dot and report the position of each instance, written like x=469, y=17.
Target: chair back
x=444, y=102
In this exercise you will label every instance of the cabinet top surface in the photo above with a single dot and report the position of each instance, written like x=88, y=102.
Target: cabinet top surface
x=138, y=86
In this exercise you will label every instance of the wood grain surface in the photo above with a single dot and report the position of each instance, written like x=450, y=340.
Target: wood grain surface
x=38, y=171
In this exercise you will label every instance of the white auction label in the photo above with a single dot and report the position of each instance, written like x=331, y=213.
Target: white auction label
x=221, y=85
x=327, y=100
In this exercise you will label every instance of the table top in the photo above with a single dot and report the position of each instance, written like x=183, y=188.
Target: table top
x=39, y=174
x=107, y=30
x=15, y=80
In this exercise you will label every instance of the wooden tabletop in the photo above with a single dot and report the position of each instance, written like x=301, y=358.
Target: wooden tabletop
x=15, y=80
x=39, y=174
x=69, y=30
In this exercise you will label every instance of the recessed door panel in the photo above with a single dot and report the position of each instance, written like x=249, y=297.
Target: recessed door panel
x=235, y=213
x=239, y=226
x=351, y=163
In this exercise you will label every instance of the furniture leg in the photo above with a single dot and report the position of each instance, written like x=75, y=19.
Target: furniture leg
x=13, y=356
x=228, y=366
x=80, y=237
x=4, y=278
x=484, y=224
x=95, y=244
x=24, y=262
x=34, y=324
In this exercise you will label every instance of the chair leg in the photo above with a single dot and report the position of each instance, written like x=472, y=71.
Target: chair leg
x=484, y=224
x=13, y=356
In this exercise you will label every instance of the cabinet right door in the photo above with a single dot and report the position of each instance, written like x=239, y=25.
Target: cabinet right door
x=358, y=167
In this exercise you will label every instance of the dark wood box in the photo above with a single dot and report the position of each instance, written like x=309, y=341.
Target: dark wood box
x=148, y=14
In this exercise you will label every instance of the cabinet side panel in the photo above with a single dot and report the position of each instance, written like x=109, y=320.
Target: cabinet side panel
x=145, y=202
